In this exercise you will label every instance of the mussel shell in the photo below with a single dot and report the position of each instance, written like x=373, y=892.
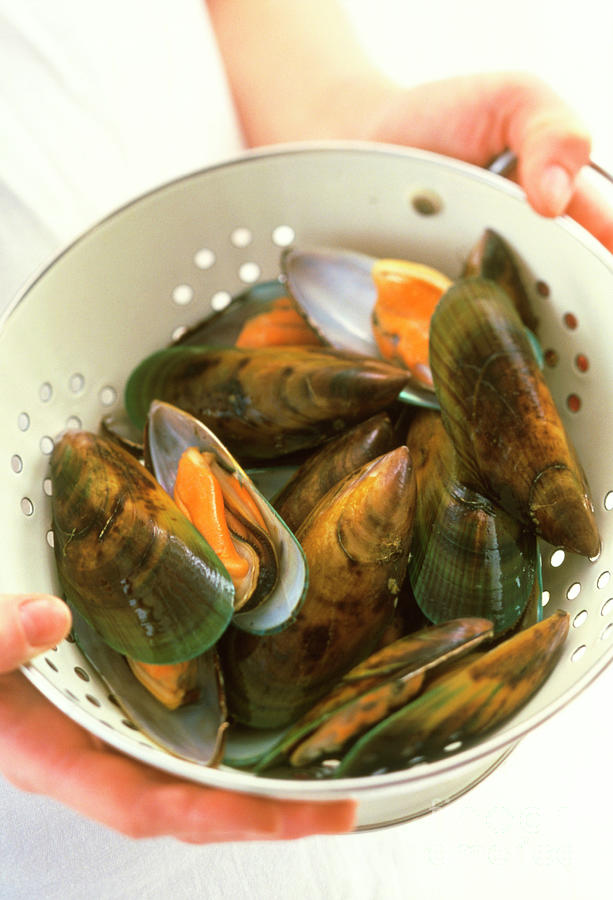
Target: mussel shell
x=128, y=560
x=492, y=258
x=195, y=732
x=499, y=412
x=468, y=556
x=266, y=402
x=356, y=543
x=329, y=464
x=223, y=329
x=463, y=707
x=373, y=689
x=171, y=431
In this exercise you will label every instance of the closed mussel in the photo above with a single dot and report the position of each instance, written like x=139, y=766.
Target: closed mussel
x=265, y=402
x=356, y=544
x=469, y=557
x=497, y=408
x=464, y=706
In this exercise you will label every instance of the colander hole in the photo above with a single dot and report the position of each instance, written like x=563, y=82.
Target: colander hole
x=582, y=363
x=220, y=300
x=426, y=202
x=93, y=700
x=578, y=653
x=107, y=395
x=72, y=696
x=574, y=590
x=551, y=357
x=603, y=580
x=608, y=500
x=16, y=463
x=545, y=598
x=81, y=673
x=27, y=507
x=283, y=235
x=48, y=487
x=46, y=445
x=45, y=392
x=452, y=746
x=178, y=333
x=570, y=320
x=241, y=237
x=249, y=272
x=607, y=607
x=23, y=421
x=580, y=618
x=204, y=258
x=542, y=288
x=50, y=539
x=607, y=632
x=51, y=665
x=130, y=724
x=557, y=558
x=573, y=403
x=76, y=383
x=73, y=423
x=183, y=294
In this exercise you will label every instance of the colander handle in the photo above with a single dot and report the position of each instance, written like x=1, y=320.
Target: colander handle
x=505, y=162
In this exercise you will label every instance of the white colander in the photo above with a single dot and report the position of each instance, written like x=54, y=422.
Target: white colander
x=125, y=287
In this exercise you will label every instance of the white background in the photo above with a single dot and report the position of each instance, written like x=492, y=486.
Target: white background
x=540, y=825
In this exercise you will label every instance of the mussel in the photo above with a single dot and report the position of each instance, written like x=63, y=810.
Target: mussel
x=327, y=465
x=465, y=705
x=509, y=438
x=372, y=690
x=134, y=567
x=356, y=544
x=266, y=402
x=469, y=557
x=262, y=316
x=272, y=583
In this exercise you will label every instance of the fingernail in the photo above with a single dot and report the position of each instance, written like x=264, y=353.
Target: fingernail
x=44, y=620
x=557, y=186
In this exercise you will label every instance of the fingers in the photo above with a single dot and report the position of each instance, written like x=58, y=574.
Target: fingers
x=76, y=769
x=551, y=142
x=30, y=624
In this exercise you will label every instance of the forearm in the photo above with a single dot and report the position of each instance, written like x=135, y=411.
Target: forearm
x=297, y=70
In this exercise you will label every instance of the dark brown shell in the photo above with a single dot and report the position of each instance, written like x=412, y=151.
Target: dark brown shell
x=510, y=441
x=356, y=543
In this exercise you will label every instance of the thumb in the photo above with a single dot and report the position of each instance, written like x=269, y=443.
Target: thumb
x=30, y=624
x=552, y=146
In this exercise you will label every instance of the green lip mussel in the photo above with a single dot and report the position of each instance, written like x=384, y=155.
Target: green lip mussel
x=265, y=402
x=134, y=567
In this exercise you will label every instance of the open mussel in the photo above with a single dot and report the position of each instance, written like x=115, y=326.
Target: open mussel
x=266, y=402
x=262, y=316
x=134, y=567
x=509, y=438
x=356, y=543
x=469, y=557
x=264, y=559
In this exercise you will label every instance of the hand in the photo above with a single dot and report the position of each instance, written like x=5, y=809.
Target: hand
x=345, y=96
x=43, y=751
x=475, y=118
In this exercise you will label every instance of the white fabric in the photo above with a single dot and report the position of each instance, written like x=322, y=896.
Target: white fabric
x=99, y=101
